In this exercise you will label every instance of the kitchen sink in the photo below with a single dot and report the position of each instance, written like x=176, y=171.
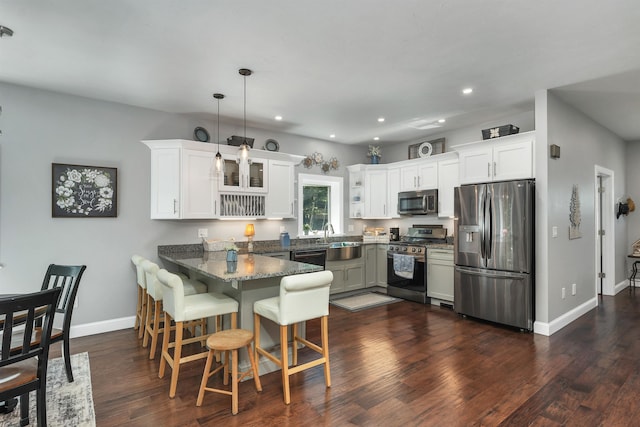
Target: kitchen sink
x=341, y=251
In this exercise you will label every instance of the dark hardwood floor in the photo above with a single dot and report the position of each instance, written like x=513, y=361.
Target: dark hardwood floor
x=403, y=364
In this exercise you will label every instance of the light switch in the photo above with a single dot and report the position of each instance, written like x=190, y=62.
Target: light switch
x=203, y=233
x=554, y=231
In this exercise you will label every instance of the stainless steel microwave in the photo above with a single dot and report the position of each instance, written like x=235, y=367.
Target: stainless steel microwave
x=422, y=202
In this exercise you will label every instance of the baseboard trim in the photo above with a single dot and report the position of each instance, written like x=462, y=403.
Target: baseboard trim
x=558, y=323
x=102, y=327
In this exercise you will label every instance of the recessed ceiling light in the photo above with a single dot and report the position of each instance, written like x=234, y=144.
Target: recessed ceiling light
x=467, y=90
x=376, y=138
x=333, y=135
x=441, y=121
x=381, y=119
x=278, y=118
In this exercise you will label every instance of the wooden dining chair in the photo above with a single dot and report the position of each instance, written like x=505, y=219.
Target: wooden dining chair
x=67, y=278
x=26, y=370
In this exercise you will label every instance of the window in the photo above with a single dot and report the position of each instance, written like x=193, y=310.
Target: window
x=320, y=202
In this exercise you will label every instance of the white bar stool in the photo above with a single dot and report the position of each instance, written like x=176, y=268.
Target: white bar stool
x=186, y=308
x=141, y=306
x=302, y=297
x=153, y=317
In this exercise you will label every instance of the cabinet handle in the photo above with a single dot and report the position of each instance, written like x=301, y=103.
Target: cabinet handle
x=175, y=204
x=418, y=181
x=488, y=170
x=385, y=208
x=215, y=207
x=494, y=168
x=414, y=182
x=291, y=208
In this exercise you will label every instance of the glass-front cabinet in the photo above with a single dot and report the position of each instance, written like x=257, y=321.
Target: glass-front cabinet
x=244, y=175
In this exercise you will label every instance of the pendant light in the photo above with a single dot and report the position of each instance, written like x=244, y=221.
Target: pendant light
x=219, y=161
x=244, y=148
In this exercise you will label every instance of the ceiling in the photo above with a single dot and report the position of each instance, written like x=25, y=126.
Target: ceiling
x=334, y=66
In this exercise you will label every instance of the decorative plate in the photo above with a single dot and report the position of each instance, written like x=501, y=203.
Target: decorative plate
x=201, y=134
x=425, y=149
x=308, y=162
x=317, y=157
x=271, y=145
x=325, y=167
x=334, y=163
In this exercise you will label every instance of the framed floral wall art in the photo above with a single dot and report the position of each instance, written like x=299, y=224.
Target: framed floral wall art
x=84, y=191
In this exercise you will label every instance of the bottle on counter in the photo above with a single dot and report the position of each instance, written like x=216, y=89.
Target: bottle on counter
x=285, y=241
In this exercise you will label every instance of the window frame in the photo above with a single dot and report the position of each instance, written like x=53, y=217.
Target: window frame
x=336, y=213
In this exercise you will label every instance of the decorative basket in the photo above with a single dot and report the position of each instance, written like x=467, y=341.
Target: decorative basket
x=499, y=131
x=237, y=141
x=214, y=245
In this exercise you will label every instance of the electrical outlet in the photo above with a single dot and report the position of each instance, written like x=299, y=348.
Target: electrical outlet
x=282, y=229
x=203, y=233
x=350, y=227
x=573, y=289
x=564, y=293
x=554, y=231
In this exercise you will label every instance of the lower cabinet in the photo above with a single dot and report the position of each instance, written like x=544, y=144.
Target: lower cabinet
x=347, y=275
x=376, y=265
x=440, y=274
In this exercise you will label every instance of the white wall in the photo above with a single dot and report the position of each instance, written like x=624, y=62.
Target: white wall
x=633, y=190
x=40, y=128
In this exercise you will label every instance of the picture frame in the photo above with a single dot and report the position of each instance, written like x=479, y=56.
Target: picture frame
x=79, y=191
x=436, y=144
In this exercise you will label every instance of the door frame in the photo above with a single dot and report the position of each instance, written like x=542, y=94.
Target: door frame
x=608, y=225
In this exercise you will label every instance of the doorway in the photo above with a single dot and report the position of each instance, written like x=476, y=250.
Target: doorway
x=604, y=232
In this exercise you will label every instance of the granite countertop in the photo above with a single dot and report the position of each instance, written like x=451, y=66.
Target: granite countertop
x=248, y=266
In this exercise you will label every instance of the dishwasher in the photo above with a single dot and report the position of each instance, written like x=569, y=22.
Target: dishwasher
x=310, y=256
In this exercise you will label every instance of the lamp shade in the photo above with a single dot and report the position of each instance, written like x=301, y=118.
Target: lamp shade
x=249, y=230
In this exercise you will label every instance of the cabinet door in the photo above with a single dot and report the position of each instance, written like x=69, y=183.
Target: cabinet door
x=428, y=175
x=356, y=194
x=475, y=165
x=375, y=194
x=353, y=277
x=165, y=183
x=409, y=178
x=245, y=175
x=370, y=262
x=440, y=274
x=448, y=178
x=337, y=285
x=381, y=265
x=199, y=185
x=282, y=189
x=393, y=188
x=513, y=161
x=256, y=176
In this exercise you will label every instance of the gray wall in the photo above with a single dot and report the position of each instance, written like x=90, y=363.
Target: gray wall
x=584, y=144
x=633, y=191
x=40, y=128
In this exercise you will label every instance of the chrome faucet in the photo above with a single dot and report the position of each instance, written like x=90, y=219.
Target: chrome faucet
x=326, y=228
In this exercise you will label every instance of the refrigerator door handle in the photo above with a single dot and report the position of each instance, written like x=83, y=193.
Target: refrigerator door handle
x=482, y=233
x=490, y=273
x=490, y=233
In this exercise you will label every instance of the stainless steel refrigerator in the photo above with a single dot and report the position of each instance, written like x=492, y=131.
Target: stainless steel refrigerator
x=494, y=252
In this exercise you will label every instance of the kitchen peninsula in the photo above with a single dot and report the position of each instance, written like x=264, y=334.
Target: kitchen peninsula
x=252, y=278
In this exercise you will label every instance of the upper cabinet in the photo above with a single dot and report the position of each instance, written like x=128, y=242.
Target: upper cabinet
x=368, y=191
x=184, y=184
x=419, y=174
x=448, y=179
x=280, y=198
x=506, y=158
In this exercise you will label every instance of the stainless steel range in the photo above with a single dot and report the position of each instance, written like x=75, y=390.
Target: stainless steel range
x=406, y=262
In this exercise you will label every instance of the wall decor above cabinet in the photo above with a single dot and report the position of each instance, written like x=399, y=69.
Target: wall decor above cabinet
x=426, y=148
x=317, y=159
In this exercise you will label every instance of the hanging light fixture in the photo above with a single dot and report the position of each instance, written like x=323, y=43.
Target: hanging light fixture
x=244, y=147
x=219, y=161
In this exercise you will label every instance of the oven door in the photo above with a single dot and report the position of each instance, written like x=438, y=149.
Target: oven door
x=413, y=289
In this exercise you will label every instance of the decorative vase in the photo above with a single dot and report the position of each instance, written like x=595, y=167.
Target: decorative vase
x=232, y=255
x=375, y=160
x=232, y=266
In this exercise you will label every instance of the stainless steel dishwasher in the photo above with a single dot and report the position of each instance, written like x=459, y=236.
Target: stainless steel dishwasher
x=310, y=256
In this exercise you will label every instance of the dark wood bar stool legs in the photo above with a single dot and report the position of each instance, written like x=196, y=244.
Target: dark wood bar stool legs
x=632, y=278
x=229, y=342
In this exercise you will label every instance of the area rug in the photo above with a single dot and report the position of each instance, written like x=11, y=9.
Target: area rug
x=363, y=301
x=68, y=404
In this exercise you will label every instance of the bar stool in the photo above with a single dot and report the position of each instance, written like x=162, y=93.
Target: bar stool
x=229, y=341
x=141, y=306
x=154, y=316
x=634, y=273
x=185, y=308
x=302, y=297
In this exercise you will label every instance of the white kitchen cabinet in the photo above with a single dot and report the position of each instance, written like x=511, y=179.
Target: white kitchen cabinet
x=506, y=158
x=244, y=175
x=356, y=191
x=448, y=179
x=183, y=183
x=440, y=274
x=280, y=199
x=393, y=188
x=375, y=194
x=420, y=174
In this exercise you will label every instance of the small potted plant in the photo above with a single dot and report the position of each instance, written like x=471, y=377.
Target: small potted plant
x=232, y=251
x=375, y=154
x=306, y=228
